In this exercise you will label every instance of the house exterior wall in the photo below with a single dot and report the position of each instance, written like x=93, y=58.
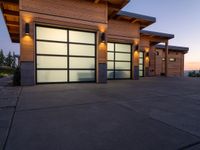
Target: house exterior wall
x=117, y=33
x=75, y=14
x=175, y=68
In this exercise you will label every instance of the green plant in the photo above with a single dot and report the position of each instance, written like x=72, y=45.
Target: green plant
x=194, y=74
x=2, y=58
x=17, y=77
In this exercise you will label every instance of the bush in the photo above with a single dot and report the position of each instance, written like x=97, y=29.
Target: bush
x=194, y=74
x=17, y=77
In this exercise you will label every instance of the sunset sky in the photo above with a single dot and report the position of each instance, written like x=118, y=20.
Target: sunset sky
x=181, y=18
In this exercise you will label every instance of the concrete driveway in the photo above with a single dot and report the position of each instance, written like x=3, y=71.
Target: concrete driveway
x=149, y=114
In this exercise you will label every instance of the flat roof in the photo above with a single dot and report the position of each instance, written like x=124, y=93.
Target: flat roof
x=133, y=18
x=157, y=34
x=174, y=48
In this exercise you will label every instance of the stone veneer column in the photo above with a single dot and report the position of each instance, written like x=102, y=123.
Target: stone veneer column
x=101, y=60
x=135, y=56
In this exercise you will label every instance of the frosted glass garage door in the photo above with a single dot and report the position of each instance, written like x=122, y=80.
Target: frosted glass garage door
x=64, y=55
x=119, y=61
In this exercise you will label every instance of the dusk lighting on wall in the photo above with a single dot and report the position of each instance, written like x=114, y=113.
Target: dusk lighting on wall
x=27, y=29
x=103, y=37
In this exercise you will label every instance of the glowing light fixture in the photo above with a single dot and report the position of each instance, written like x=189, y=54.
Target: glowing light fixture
x=27, y=29
x=103, y=37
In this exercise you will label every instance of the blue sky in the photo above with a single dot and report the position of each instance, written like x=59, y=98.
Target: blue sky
x=179, y=17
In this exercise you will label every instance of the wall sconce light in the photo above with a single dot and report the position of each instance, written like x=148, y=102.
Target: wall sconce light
x=103, y=37
x=27, y=28
x=136, y=47
x=147, y=54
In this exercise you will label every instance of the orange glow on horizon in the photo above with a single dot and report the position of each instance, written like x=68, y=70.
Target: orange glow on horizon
x=192, y=66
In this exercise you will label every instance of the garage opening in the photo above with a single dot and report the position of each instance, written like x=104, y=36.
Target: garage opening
x=64, y=55
x=141, y=64
x=119, y=64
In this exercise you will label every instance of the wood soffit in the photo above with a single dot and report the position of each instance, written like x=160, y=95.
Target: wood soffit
x=10, y=10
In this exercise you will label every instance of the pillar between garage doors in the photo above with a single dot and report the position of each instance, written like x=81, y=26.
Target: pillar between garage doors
x=101, y=58
x=135, y=56
x=166, y=58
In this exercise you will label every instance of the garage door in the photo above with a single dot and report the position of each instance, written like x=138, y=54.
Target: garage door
x=119, y=61
x=64, y=55
x=141, y=64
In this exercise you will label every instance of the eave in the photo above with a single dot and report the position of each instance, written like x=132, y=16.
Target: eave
x=10, y=11
x=143, y=20
x=156, y=37
x=173, y=48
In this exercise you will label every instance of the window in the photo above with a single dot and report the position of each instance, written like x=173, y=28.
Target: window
x=172, y=59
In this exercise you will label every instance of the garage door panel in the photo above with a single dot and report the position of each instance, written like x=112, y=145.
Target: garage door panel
x=110, y=47
x=51, y=48
x=80, y=62
x=122, y=74
x=110, y=56
x=81, y=37
x=123, y=65
x=110, y=65
x=123, y=48
x=123, y=57
x=51, y=62
x=110, y=74
x=52, y=34
x=51, y=76
x=81, y=75
x=82, y=50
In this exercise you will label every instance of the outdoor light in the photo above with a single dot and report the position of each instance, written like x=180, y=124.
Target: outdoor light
x=103, y=37
x=27, y=28
x=147, y=54
x=136, y=47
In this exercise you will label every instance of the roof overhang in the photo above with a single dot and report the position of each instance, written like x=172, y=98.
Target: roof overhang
x=174, y=48
x=156, y=37
x=10, y=10
x=114, y=6
x=143, y=20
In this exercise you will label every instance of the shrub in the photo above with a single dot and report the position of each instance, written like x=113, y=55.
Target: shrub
x=17, y=77
x=194, y=74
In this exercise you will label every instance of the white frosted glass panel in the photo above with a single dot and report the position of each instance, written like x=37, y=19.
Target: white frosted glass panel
x=110, y=46
x=141, y=54
x=51, y=48
x=122, y=65
x=51, y=76
x=141, y=67
x=78, y=62
x=110, y=74
x=110, y=65
x=51, y=62
x=110, y=56
x=141, y=61
x=123, y=48
x=141, y=73
x=45, y=33
x=82, y=75
x=81, y=37
x=83, y=50
x=123, y=57
x=122, y=74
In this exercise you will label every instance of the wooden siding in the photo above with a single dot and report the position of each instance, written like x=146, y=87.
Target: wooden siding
x=76, y=9
x=123, y=30
x=175, y=69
